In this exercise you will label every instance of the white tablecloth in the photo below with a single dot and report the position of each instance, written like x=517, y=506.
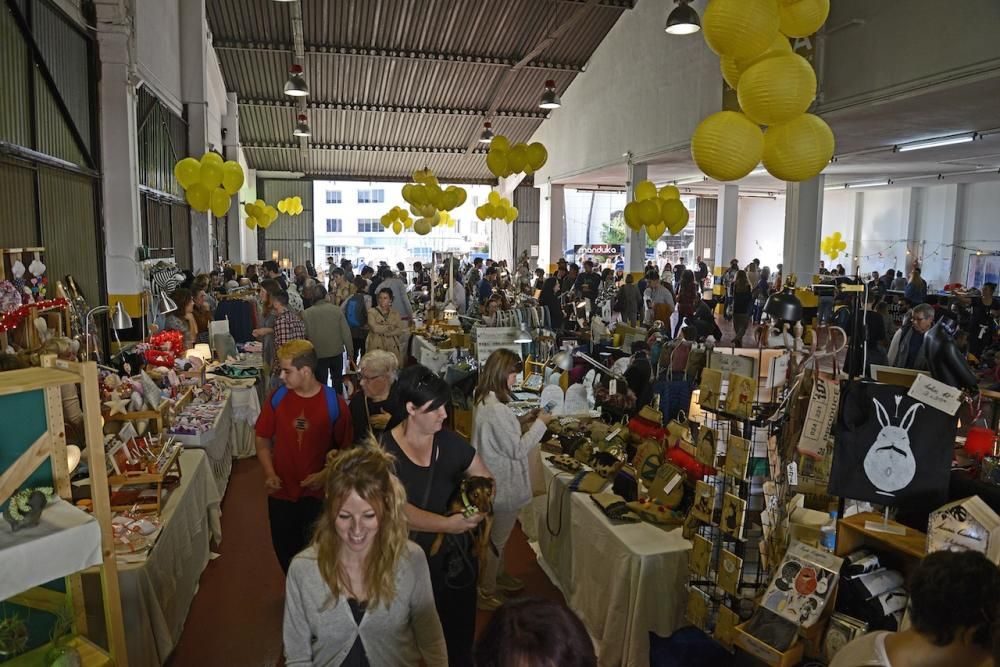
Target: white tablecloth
x=218, y=445
x=157, y=594
x=428, y=354
x=246, y=409
x=624, y=581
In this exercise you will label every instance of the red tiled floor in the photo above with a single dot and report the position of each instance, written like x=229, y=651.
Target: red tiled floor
x=236, y=616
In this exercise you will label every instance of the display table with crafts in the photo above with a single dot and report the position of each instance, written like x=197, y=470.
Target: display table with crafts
x=624, y=581
x=248, y=393
x=157, y=591
x=205, y=423
x=429, y=354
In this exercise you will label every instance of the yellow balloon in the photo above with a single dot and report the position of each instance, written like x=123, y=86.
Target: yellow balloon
x=407, y=222
x=537, y=155
x=803, y=18
x=836, y=236
x=422, y=226
x=777, y=89
x=248, y=208
x=283, y=206
x=434, y=194
x=493, y=197
x=675, y=214
x=649, y=211
x=261, y=203
x=212, y=157
x=740, y=28
x=799, y=149
x=271, y=213
x=418, y=195
x=232, y=176
x=385, y=220
x=727, y=145
x=511, y=214
x=517, y=158
x=668, y=192
x=397, y=227
x=499, y=143
x=252, y=223
x=496, y=162
x=481, y=212
x=462, y=194
x=221, y=201
x=199, y=197
x=645, y=190
x=632, y=216
x=655, y=231
x=407, y=192
x=210, y=175
x=187, y=172
x=423, y=176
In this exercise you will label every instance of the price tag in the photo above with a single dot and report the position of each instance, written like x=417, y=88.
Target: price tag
x=936, y=394
x=793, y=474
x=611, y=435
x=674, y=481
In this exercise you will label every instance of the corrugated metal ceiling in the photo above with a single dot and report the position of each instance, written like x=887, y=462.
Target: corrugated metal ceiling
x=402, y=83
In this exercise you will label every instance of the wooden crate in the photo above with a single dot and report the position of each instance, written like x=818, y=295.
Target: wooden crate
x=766, y=654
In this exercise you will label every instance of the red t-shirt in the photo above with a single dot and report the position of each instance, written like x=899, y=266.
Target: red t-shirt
x=301, y=435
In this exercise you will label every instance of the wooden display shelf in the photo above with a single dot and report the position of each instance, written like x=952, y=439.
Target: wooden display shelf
x=171, y=473
x=765, y=653
x=161, y=416
x=901, y=552
x=91, y=655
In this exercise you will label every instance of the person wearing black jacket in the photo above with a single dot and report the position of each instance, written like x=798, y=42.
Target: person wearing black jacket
x=551, y=293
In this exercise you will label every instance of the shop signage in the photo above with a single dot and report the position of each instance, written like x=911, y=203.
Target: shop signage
x=599, y=249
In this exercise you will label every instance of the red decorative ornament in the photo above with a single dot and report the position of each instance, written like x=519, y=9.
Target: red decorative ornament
x=171, y=341
x=160, y=358
x=14, y=317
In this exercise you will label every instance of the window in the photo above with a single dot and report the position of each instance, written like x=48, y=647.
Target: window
x=334, y=225
x=369, y=226
x=333, y=197
x=336, y=251
x=371, y=196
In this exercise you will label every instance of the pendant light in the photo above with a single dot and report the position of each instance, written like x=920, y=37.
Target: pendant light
x=301, y=127
x=550, y=99
x=487, y=135
x=683, y=20
x=296, y=85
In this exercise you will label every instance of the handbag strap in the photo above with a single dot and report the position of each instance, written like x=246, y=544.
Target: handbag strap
x=430, y=478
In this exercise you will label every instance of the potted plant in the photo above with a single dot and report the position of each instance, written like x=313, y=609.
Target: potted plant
x=62, y=653
x=13, y=636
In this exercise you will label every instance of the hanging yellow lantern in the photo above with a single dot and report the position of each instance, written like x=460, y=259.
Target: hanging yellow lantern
x=740, y=28
x=798, y=149
x=730, y=71
x=733, y=69
x=777, y=89
x=803, y=18
x=727, y=145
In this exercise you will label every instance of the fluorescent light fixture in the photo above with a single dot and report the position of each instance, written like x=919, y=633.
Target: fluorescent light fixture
x=691, y=180
x=683, y=20
x=934, y=143
x=842, y=186
x=868, y=184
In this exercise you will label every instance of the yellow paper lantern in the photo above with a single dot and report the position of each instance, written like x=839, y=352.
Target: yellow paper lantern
x=645, y=190
x=777, y=89
x=798, y=149
x=187, y=171
x=730, y=71
x=733, y=69
x=802, y=18
x=740, y=28
x=727, y=145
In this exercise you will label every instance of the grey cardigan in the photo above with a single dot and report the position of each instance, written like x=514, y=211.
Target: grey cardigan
x=496, y=435
x=318, y=631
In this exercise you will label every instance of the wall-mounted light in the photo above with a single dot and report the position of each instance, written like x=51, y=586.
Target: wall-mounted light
x=487, y=134
x=683, y=20
x=302, y=126
x=296, y=85
x=550, y=99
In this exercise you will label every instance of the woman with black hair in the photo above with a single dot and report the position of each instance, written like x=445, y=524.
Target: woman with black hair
x=430, y=462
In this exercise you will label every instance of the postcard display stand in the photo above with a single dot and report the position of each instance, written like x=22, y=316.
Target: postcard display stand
x=728, y=566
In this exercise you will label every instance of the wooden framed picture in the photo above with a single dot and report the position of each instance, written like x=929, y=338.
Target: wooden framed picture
x=740, y=395
x=697, y=607
x=730, y=566
x=701, y=555
x=734, y=511
x=704, y=501
x=705, y=447
x=710, y=388
x=737, y=457
x=725, y=625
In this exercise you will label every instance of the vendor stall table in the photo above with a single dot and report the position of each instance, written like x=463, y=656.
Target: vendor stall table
x=157, y=593
x=430, y=355
x=624, y=580
x=218, y=445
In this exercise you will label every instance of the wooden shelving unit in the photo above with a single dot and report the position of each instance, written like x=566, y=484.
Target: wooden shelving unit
x=903, y=552
x=51, y=446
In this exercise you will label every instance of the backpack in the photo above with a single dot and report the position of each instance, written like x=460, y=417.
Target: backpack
x=354, y=313
x=332, y=401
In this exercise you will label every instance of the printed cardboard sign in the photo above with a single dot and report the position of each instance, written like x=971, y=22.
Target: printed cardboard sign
x=734, y=511
x=737, y=457
x=704, y=501
x=701, y=555
x=820, y=416
x=936, y=394
x=705, y=447
x=710, y=389
x=730, y=566
x=803, y=584
x=732, y=363
x=740, y=395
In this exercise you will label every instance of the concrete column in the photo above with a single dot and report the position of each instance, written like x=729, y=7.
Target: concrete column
x=955, y=213
x=119, y=157
x=859, y=220
x=551, y=225
x=635, y=242
x=725, y=228
x=803, y=226
x=231, y=147
x=194, y=94
x=912, y=200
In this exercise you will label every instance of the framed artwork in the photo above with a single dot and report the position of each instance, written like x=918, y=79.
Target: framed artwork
x=701, y=555
x=697, y=607
x=710, y=388
x=840, y=631
x=803, y=584
x=704, y=501
x=725, y=625
x=739, y=397
x=737, y=457
x=730, y=566
x=705, y=447
x=734, y=511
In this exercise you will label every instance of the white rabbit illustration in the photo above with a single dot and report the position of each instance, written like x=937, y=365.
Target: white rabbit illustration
x=889, y=464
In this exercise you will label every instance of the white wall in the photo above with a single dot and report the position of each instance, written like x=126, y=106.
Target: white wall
x=644, y=91
x=978, y=228
x=760, y=228
x=157, y=40
x=217, y=102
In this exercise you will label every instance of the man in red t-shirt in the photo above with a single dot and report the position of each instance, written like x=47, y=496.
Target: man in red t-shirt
x=293, y=440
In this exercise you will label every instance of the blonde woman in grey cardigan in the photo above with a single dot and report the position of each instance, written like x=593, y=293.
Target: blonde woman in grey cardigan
x=361, y=593
x=496, y=435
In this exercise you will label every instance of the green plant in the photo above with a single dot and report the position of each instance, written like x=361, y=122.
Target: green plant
x=13, y=635
x=613, y=232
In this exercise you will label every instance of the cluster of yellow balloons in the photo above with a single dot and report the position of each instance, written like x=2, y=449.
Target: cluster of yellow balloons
x=209, y=183
x=426, y=194
x=833, y=245
x=775, y=87
x=397, y=218
x=504, y=159
x=657, y=211
x=497, y=208
x=260, y=214
x=291, y=205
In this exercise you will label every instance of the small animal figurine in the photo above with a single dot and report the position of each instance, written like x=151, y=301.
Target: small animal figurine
x=889, y=464
x=474, y=495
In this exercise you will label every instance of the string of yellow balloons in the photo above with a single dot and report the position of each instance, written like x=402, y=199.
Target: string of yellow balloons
x=260, y=214
x=657, y=211
x=209, y=183
x=497, y=208
x=397, y=218
x=503, y=159
x=833, y=245
x=774, y=86
x=428, y=201
x=291, y=205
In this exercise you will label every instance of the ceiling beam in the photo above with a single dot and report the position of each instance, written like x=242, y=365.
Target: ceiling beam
x=398, y=54
x=604, y=4
x=394, y=178
x=369, y=148
x=383, y=108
